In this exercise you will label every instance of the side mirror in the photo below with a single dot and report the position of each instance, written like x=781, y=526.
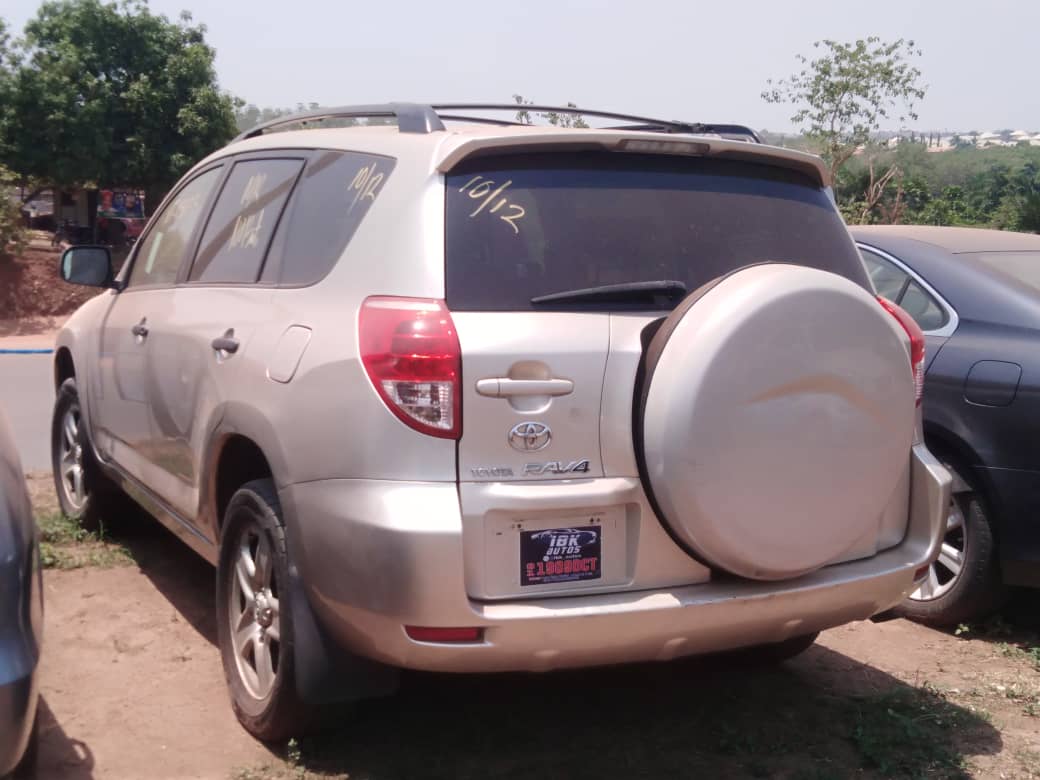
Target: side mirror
x=87, y=265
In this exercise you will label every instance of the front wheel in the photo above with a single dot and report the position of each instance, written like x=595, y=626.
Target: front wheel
x=84, y=493
x=26, y=769
x=254, y=617
x=964, y=583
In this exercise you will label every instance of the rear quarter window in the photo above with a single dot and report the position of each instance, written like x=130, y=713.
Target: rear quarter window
x=335, y=193
x=522, y=226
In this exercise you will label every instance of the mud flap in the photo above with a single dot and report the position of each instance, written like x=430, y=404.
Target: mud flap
x=325, y=672
x=884, y=617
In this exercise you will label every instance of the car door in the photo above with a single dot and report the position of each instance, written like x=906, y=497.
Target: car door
x=202, y=352
x=122, y=427
x=893, y=280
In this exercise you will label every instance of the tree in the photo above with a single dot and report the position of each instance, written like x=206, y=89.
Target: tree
x=12, y=233
x=6, y=63
x=112, y=94
x=555, y=118
x=843, y=96
x=12, y=229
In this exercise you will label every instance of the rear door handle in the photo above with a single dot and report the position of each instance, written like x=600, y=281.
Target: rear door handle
x=140, y=329
x=226, y=343
x=504, y=387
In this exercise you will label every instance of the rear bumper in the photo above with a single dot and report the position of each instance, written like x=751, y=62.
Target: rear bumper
x=375, y=557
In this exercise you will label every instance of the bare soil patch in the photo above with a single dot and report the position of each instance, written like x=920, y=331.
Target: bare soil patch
x=133, y=688
x=33, y=299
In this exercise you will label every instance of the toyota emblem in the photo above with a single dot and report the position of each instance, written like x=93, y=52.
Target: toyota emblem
x=530, y=436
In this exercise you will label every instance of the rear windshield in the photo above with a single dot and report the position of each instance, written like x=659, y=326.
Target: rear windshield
x=518, y=227
x=1020, y=267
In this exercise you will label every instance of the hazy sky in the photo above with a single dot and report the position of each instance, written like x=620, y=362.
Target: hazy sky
x=673, y=58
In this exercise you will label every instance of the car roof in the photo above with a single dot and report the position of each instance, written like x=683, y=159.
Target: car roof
x=441, y=150
x=956, y=240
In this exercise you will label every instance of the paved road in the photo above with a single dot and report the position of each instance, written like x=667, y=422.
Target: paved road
x=26, y=397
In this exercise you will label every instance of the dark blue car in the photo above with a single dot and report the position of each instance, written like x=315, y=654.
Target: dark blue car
x=976, y=295
x=21, y=615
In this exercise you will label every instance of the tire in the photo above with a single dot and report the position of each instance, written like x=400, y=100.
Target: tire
x=85, y=494
x=260, y=665
x=978, y=588
x=26, y=769
x=776, y=652
x=719, y=408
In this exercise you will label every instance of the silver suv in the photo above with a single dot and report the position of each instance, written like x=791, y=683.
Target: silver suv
x=501, y=397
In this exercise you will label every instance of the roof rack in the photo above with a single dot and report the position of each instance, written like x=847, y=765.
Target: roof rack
x=419, y=118
x=411, y=118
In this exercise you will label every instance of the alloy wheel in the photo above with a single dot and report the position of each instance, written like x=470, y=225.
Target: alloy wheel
x=254, y=614
x=73, y=478
x=945, y=571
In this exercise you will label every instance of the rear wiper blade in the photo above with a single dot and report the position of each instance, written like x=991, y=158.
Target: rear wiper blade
x=629, y=292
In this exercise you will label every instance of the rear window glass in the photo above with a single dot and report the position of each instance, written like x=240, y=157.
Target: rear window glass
x=518, y=227
x=1020, y=267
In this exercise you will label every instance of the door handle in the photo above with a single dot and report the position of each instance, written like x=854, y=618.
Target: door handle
x=226, y=343
x=140, y=329
x=504, y=387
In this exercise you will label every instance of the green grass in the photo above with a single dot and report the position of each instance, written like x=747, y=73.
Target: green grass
x=65, y=545
x=905, y=733
x=1025, y=651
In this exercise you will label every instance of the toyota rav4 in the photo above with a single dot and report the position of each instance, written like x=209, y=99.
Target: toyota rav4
x=443, y=392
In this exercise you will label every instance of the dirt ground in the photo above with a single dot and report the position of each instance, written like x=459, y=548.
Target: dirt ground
x=132, y=688
x=32, y=296
x=33, y=299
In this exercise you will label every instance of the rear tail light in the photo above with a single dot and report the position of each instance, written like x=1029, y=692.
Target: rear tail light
x=411, y=353
x=916, y=343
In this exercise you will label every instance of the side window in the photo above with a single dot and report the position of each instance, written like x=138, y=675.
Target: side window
x=928, y=314
x=895, y=284
x=159, y=257
x=888, y=280
x=243, y=220
x=332, y=199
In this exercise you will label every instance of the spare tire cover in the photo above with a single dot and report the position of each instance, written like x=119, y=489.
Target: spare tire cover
x=777, y=417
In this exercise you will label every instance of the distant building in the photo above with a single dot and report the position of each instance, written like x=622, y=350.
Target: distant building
x=988, y=139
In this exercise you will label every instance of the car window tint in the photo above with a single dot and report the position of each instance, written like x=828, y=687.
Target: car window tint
x=332, y=198
x=244, y=218
x=888, y=280
x=527, y=225
x=159, y=257
x=922, y=307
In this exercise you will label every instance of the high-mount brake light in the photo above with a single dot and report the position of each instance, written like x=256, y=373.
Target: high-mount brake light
x=916, y=335
x=653, y=146
x=411, y=354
